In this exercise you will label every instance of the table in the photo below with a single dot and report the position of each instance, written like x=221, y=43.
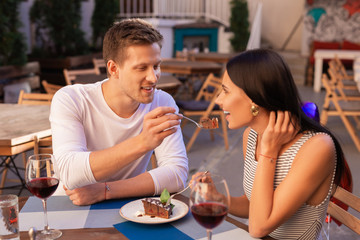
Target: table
x=111, y=232
x=212, y=57
x=167, y=83
x=18, y=125
x=329, y=54
x=89, y=78
x=190, y=67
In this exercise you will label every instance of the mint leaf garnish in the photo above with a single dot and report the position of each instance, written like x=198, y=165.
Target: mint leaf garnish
x=164, y=196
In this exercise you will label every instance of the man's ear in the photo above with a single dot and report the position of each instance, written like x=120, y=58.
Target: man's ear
x=112, y=67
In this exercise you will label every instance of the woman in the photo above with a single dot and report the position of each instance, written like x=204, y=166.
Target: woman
x=292, y=163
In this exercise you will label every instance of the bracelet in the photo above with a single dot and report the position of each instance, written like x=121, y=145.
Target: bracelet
x=107, y=189
x=271, y=158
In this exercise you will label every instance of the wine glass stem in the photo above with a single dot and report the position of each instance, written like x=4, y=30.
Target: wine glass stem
x=209, y=233
x=46, y=227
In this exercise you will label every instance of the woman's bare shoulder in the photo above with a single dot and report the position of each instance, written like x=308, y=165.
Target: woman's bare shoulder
x=320, y=147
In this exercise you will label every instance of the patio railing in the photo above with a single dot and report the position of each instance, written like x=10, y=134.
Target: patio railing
x=218, y=10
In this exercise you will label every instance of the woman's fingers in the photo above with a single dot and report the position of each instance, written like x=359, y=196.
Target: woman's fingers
x=279, y=120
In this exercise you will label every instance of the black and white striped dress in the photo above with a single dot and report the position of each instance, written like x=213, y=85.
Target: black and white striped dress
x=307, y=222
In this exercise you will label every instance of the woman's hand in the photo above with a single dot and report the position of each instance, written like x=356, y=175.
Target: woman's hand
x=87, y=195
x=201, y=177
x=279, y=131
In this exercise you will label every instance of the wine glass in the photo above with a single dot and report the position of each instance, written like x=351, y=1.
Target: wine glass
x=42, y=182
x=209, y=201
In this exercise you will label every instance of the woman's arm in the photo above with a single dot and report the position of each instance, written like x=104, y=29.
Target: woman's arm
x=311, y=170
x=239, y=206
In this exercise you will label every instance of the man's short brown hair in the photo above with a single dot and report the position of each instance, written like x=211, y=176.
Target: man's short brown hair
x=127, y=33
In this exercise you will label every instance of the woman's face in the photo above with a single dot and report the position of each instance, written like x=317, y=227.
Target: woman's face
x=235, y=103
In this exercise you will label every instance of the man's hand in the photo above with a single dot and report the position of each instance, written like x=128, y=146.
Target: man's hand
x=157, y=125
x=87, y=195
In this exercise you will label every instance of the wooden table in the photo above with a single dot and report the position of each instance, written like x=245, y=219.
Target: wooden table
x=110, y=233
x=167, y=83
x=89, y=78
x=222, y=58
x=190, y=67
x=18, y=126
x=329, y=54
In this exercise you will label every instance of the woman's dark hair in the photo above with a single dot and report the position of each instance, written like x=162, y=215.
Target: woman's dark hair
x=267, y=81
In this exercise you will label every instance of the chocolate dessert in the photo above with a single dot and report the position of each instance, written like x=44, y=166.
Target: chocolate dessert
x=208, y=123
x=155, y=208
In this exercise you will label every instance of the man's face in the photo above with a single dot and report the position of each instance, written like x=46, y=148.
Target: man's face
x=140, y=71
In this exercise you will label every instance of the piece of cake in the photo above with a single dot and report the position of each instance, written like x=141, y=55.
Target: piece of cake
x=208, y=123
x=155, y=208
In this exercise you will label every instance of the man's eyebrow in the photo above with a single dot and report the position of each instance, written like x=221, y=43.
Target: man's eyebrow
x=146, y=64
x=223, y=86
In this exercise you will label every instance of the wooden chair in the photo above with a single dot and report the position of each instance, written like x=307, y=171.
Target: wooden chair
x=334, y=106
x=49, y=87
x=25, y=98
x=98, y=64
x=43, y=145
x=35, y=98
x=340, y=214
x=348, y=91
x=342, y=69
x=204, y=106
x=70, y=75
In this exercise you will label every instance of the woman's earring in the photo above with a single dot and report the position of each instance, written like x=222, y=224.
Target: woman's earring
x=254, y=110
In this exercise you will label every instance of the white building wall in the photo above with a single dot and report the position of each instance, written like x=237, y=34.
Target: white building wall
x=278, y=19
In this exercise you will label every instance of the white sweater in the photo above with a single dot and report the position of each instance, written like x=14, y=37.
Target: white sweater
x=81, y=122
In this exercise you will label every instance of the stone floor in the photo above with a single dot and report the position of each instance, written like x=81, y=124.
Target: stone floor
x=211, y=155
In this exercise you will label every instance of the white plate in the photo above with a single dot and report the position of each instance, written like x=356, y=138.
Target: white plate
x=131, y=209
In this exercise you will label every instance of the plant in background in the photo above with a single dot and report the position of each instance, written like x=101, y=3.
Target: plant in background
x=239, y=24
x=12, y=44
x=102, y=19
x=57, y=28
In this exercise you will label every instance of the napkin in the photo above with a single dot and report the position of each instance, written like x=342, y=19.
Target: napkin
x=111, y=204
x=135, y=231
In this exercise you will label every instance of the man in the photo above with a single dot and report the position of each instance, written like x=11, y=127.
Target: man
x=104, y=133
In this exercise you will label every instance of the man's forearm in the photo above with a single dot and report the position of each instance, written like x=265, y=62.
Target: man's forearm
x=141, y=185
x=108, y=162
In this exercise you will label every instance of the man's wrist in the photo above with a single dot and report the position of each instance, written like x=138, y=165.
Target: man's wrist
x=107, y=191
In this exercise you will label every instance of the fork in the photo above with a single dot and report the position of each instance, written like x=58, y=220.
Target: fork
x=199, y=125
x=172, y=196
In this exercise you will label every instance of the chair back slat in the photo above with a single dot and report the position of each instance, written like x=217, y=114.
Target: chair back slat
x=70, y=75
x=340, y=214
x=50, y=88
x=35, y=98
x=43, y=145
x=209, y=88
x=98, y=64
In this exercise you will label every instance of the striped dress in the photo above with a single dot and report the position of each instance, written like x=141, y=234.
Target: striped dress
x=307, y=222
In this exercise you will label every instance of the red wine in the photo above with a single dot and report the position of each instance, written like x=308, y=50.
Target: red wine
x=209, y=215
x=43, y=187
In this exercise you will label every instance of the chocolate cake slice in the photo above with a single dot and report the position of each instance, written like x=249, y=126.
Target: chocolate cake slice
x=208, y=123
x=155, y=208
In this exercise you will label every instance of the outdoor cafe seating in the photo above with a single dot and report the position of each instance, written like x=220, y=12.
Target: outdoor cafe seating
x=204, y=106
